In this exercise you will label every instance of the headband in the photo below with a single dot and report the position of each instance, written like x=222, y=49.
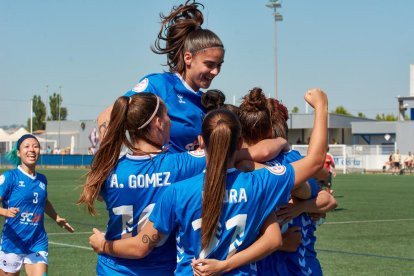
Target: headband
x=153, y=114
x=24, y=137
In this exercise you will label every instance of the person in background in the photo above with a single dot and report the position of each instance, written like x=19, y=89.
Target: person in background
x=23, y=193
x=330, y=167
x=396, y=162
x=409, y=161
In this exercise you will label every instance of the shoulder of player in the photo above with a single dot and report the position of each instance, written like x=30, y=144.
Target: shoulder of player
x=157, y=83
x=8, y=176
x=41, y=177
x=273, y=169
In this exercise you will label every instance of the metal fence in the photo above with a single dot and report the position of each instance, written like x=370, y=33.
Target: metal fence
x=357, y=158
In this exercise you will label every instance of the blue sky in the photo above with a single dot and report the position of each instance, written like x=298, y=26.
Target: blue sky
x=358, y=51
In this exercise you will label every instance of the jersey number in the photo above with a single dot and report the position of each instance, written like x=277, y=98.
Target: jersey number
x=35, y=198
x=238, y=222
x=127, y=213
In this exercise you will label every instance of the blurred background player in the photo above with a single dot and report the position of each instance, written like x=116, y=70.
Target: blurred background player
x=23, y=193
x=330, y=167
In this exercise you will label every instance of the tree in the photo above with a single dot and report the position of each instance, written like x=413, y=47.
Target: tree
x=39, y=110
x=295, y=109
x=56, y=109
x=361, y=115
x=388, y=117
x=341, y=110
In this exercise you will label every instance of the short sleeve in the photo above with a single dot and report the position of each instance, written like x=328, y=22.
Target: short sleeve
x=280, y=183
x=314, y=187
x=163, y=215
x=192, y=163
x=6, y=181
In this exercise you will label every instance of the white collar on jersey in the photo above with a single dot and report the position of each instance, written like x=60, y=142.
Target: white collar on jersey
x=25, y=173
x=185, y=84
x=140, y=157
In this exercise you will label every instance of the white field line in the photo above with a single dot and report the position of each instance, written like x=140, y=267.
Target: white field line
x=369, y=221
x=67, y=233
x=70, y=245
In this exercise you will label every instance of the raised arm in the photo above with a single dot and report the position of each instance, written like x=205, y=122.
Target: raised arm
x=313, y=161
x=136, y=247
x=103, y=121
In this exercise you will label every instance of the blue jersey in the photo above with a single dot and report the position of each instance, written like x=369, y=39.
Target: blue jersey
x=250, y=198
x=130, y=193
x=25, y=233
x=184, y=107
x=303, y=261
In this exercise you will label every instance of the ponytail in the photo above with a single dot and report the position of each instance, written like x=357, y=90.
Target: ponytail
x=107, y=155
x=130, y=121
x=221, y=132
x=181, y=32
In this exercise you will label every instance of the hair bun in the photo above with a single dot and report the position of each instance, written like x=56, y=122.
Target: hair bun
x=255, y=100
x=212, y=99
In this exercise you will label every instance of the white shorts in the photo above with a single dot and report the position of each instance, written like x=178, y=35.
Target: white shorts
x=12, y=263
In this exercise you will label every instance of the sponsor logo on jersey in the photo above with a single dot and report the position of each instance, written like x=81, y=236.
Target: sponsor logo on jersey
x=197, y=153
x=26, y=217
x=2, y=178
x=21, y=184
x=277, y=169
x=141, y=86
x=180, y=98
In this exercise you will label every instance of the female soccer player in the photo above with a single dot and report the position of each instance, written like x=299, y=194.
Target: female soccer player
x=23, y=193
x=132, y=185
x=219, y=212
x=297, y=256
x=194, y=57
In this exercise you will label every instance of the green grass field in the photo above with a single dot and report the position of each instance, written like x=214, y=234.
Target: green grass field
x=370, y=233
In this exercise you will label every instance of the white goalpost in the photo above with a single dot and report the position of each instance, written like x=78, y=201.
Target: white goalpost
x=343, y=162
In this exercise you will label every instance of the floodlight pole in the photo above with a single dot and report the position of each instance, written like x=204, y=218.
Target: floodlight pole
x=274, y=4
x=59, y=103
x=31, y=115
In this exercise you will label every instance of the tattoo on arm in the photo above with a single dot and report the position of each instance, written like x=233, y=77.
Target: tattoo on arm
x=103, y=128
x=151, y=241
x=103, y=125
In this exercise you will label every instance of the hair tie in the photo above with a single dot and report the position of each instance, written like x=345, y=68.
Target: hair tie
x=153, y=114
x=129, y=100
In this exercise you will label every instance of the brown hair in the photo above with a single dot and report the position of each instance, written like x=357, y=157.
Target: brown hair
x=212, y=99
x=181, y=32
x=255, y=116
x=221, y=132
x=279, y=115
x=129, y=114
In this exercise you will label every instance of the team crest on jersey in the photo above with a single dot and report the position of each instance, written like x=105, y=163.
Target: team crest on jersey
x=2, y=178
x=197, y=153
x=180, y=98
x=141, y=86
x=277, y=169
x=21, y=184
x=42, y=185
